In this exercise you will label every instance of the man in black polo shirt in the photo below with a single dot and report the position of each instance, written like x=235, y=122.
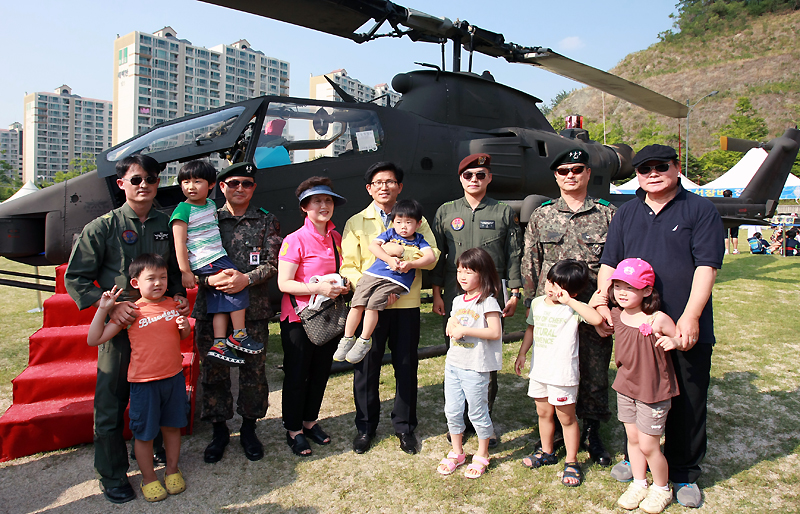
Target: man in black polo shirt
x=680, y=234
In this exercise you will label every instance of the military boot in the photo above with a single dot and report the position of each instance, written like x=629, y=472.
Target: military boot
x=219, y=441
x=590, y=441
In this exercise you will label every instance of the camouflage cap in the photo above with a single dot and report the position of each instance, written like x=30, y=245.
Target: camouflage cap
x=476, y=160
x=571, y=156
x=240, y=169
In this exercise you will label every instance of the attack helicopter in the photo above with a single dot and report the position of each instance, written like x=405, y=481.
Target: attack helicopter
x=442, y=117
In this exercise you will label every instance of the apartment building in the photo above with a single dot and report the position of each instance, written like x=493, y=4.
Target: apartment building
x=60, y=127
x=158, y=77
x=320, y=89
x=11, y=147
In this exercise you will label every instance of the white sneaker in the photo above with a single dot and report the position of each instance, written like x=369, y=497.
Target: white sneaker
x=657, y=500
x=726, y=252
x=359, y=350
x=345, y=343
x=632, y=496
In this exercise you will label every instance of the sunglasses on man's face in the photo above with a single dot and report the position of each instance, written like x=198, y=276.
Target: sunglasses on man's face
x=480, y=175
x=661, y=168
x=247, y=184
x=138, y=180
x=576, y=170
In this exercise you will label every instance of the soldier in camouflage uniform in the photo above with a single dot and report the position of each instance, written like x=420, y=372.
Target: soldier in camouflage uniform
x=574, y=227
x=251, y=236
x=476, y=220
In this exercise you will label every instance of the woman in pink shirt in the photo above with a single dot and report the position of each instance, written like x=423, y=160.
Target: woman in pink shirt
x=314, y=249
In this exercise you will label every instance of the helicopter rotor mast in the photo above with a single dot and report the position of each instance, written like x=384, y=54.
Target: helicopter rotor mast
x=344, y=17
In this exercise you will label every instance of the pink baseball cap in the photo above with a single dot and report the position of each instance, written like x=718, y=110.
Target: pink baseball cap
x=635, y=272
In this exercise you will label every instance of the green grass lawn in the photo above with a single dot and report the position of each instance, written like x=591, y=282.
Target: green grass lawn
x=754, y=418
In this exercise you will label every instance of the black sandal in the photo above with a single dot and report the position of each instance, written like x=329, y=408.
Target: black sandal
x=316, y=434
x=540, y=458
x=298, y=444
x=572, y=470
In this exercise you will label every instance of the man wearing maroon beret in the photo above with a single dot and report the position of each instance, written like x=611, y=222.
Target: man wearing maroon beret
x=475, y=220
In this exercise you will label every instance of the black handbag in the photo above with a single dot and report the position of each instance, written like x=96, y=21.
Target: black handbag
x=327, y=322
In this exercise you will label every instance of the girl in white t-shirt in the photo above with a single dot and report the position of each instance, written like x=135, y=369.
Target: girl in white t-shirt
x=476, y=349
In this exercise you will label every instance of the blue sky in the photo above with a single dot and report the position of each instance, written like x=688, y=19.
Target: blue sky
x=50, y=43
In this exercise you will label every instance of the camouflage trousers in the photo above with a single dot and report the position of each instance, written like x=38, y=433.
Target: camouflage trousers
x=217, y=400
x=594, y=355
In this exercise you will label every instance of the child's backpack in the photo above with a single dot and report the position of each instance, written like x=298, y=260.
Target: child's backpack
x=756, y=246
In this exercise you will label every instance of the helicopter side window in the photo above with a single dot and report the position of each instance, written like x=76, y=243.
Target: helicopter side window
x=296, y=133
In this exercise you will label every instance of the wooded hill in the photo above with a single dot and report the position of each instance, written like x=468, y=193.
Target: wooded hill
x=755, y=58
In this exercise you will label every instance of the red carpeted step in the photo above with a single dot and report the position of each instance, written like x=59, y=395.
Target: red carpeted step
x=26, y=429
x=61, y=311
x=55, y=381
x=57, y=344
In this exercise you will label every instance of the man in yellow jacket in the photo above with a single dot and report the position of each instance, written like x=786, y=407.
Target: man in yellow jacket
x=398, y=324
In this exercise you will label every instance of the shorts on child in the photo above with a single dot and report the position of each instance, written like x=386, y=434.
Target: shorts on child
x=556, y=395
x=156, y=404
x=217, y=301
x=649, y=418
x=373, y=292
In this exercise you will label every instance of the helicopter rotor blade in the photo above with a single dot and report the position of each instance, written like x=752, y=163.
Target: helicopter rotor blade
x=617, y=86
x=343, y=17
x=337, y=18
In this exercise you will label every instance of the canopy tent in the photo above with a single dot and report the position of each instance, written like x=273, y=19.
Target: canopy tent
x=28, y=188
x=632, y=185
x=737, y=178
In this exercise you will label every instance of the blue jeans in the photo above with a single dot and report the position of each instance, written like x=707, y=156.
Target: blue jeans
x=462, y=385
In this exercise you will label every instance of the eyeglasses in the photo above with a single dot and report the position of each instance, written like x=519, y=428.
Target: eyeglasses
x=661, y=168
x=480, y=175
x=247, y=184
x=382, y=183
x=150, y=179
x=576, y=170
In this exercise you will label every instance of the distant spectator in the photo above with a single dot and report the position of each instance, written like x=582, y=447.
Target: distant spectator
x=758, y=244
x=731, y=233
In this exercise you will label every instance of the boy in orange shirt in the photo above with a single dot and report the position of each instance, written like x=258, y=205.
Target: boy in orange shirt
x=158, y=389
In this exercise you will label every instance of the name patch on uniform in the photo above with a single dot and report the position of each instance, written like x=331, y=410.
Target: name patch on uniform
x=457, y=224
x=487, y=224
x=161, y=236
x=130, y=237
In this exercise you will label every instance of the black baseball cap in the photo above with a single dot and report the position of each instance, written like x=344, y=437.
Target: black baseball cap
x=660, y=153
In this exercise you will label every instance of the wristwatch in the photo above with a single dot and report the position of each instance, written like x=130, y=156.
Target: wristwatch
x=249, y=280
x=527, y=303
x=517, y=295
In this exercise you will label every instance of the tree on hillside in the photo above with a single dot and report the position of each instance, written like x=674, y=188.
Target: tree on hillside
x=85, y=164
x=9, y=181
x=698, y=18
x=548, y=109
x=744, y=124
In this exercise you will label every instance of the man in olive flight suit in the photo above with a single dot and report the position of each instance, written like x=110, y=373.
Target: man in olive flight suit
x=102, y=253
x=476, y=221
x=251, y=237
x=574, y=226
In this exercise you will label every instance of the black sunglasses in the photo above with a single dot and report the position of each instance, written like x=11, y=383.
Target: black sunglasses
x=150, y=179
x=247, y=184
x=480, y=175
x=576, y=170
x=661, y=168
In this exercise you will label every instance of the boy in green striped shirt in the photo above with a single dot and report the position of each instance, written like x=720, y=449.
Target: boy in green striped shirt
x=199, y=250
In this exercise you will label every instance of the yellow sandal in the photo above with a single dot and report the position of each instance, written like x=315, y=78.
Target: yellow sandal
x=154, y=491
x=175, y=483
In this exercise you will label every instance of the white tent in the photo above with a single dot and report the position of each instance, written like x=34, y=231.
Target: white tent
x=737, y=178
x=28, y=188
x=632, y=185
